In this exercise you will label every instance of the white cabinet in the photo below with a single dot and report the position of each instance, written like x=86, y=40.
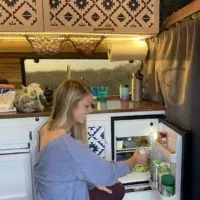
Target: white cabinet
x=18, y=148
x=15, y=176
x=16, y=169
x=35, y=127
x=14, y=137
x=15, y=160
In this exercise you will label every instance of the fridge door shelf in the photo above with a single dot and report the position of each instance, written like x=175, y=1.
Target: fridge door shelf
x=161, y=197
x=171, y=157
x=149, y=194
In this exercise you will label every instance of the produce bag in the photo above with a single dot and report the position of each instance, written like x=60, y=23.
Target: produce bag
x=30, y=98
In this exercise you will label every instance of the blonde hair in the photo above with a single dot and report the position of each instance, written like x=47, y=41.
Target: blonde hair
x=67, y=96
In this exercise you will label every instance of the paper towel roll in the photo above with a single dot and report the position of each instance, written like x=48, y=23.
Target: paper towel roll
x=127, y=50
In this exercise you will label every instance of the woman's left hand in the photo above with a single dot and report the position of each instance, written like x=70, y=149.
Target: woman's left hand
x=105, y=189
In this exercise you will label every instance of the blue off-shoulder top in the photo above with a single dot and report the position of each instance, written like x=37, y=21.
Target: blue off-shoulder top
x=66, y=167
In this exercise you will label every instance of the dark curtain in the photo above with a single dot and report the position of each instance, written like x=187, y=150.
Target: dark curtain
x=172, y=76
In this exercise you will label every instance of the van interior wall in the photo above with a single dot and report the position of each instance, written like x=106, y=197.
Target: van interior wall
x=10, y=69
x=172, y=74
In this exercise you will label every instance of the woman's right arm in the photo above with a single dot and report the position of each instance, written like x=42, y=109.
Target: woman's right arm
x=95, y=170
x=98, y=171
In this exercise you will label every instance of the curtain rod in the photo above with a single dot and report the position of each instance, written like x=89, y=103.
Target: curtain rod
x=185, y=20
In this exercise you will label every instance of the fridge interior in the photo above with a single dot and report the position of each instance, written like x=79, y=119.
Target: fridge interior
x=132, y=135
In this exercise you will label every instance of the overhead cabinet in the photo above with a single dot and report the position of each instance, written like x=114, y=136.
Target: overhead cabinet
x=107, y=16
x=80, y=16
x=21, y=15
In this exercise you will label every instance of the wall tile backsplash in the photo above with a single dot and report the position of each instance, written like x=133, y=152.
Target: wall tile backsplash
x=96, y=137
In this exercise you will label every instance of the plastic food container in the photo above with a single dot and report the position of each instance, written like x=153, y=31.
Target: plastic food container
x=119, y=143
x=102, y=93
x=141, y=168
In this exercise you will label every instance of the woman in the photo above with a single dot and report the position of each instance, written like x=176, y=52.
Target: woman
x=66, y=169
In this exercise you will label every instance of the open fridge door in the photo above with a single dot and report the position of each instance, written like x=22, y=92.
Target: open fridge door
x=169, y=164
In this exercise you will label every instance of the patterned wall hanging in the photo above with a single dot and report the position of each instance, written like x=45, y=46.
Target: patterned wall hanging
x=96, y=138
x=46, y=45
x=85, y=45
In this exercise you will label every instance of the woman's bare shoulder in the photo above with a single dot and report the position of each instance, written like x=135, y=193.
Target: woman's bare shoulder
x=47, y=136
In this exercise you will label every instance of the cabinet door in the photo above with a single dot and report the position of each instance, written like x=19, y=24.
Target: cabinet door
x=15, y=177
x=91, y=16
x=99, y=138
x=34, y=128
x=21, y=15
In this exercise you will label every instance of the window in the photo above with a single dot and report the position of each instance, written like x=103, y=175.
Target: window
x=93, y=72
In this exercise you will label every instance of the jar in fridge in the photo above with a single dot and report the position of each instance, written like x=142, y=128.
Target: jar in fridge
x=168, y=185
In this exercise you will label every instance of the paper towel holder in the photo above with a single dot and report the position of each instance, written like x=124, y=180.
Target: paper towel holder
x=128, y=50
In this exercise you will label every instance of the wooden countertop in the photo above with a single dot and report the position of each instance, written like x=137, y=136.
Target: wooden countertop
x=109, y=106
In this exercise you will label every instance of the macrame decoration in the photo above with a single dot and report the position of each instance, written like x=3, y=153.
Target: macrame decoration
x=46, y=45
x=85, y=44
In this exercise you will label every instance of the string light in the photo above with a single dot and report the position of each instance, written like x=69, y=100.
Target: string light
x=23, y=35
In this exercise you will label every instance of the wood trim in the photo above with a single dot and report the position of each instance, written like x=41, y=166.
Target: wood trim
x=10, y=70
x=156, y=20
x=182, y=13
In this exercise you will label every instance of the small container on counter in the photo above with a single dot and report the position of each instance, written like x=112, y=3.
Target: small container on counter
x=94, y=91
x=120, y=91
x=124, y=93
x=136, y=87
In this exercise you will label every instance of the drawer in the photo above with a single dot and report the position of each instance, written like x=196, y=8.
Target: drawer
x=14, y=137
x=16, y=178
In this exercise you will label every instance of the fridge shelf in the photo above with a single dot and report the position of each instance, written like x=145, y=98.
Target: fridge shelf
x=127, y=150
x=135, y=177
x=171, y=157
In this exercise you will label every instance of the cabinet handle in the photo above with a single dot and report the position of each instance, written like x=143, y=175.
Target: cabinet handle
x=30, y=135
x=37, y=119
x=151, y=123
x=104, y=29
